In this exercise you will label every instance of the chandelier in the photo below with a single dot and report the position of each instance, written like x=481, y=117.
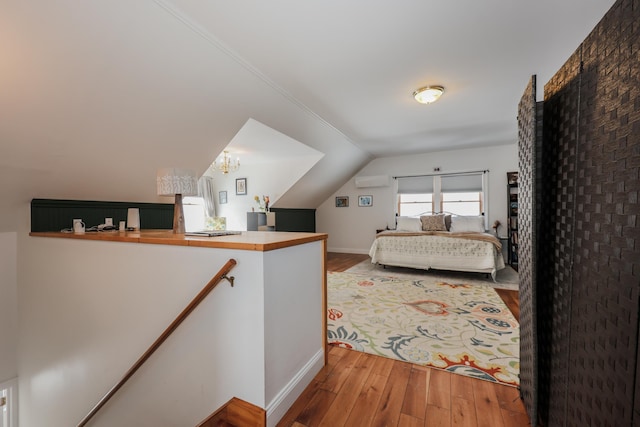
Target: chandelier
x=224, y=163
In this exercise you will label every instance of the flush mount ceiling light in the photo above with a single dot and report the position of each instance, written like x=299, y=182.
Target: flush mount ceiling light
x=428, y=94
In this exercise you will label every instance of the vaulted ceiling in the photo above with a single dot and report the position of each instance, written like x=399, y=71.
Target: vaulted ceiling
x=95, y=96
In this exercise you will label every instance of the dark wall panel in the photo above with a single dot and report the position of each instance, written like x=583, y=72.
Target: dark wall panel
x=302, y=220
x=589, y=240
x=527, y=145
x=55, y=215
x=606, y=261
x=556, y=238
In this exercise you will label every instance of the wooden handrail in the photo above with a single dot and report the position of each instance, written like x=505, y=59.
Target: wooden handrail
x=220, y=275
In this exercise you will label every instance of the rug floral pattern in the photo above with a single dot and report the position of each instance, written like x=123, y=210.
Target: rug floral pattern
x=507, y=278
x=461, y=328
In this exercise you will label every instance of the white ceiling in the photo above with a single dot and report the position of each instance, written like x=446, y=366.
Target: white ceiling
x=256, y=144
x=95, y=96
x=356, y=63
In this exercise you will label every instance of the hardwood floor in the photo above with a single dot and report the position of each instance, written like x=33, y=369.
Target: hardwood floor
x=359, y=389
x=341, y=262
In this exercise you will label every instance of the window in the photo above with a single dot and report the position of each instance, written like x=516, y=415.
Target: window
x=469, y=203
x=9, y=403
x=462, y=194
x=194, y=214
x=457, y=193
x=415, y=195
x=414, y=204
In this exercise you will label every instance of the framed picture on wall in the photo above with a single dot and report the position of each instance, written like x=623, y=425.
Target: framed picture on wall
x=365, y=201
x=241, y=186
x=222, y=197
x=342, y=202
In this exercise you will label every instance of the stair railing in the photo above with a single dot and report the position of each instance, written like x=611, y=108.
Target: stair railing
x=220, y=275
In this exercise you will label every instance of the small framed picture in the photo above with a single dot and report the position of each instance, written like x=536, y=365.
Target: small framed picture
x=342, y=202
x=222, y=197
x=365, y=201
x=241, y=186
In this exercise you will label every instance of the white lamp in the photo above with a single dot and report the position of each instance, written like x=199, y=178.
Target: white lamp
x=178, y=183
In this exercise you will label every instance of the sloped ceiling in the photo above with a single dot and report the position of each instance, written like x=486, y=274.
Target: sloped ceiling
x=96, y=96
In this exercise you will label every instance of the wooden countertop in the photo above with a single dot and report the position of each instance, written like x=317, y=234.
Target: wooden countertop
x=249, y=240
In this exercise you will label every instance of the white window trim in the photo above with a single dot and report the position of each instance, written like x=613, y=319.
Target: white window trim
x=9, y=389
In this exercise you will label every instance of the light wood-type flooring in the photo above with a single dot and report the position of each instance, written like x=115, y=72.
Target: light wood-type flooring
x=358, y=389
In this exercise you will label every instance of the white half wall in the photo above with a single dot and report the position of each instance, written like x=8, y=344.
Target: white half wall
x=289, y=302
x=352, y=229
x=89, y=309
x=8, y=306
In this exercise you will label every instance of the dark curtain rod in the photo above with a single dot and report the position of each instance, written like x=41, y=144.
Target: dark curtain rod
x=442, y=174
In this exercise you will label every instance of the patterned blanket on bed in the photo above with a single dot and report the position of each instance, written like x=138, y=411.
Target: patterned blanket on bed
x=483, y=237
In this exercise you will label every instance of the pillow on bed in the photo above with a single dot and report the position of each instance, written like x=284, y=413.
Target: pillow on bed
x=433, y=223
x=466, y=224
x=447, y=221
x=407, y=223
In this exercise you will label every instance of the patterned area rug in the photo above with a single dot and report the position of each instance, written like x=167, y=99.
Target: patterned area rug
x=507, y=278
x=461, y=328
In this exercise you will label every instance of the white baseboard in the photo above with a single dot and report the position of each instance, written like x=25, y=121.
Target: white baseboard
x=278, y=407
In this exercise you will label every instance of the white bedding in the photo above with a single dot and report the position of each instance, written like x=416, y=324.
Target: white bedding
x=438, y=252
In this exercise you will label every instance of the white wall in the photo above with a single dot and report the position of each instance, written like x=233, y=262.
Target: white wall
x=353, y=229
x=88, y=310
x=11, y=218
x=272, y=163
x=266, y=179
x=259, y=183
x=8, y=306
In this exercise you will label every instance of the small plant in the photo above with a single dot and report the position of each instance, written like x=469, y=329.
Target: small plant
x=263, y=204
x=496, y=225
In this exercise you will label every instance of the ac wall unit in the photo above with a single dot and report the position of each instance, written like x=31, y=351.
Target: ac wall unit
x=372, y=181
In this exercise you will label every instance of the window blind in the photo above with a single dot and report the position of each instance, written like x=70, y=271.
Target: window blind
x=415, y=185
x=461, y=183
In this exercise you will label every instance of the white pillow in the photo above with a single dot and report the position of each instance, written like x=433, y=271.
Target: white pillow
x=407, y=223
x=466, y=224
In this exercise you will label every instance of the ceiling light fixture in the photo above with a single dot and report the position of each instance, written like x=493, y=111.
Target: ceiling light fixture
x=224, y=163
x=428, y=94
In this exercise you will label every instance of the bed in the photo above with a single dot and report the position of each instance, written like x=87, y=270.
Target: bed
x=418, y=243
